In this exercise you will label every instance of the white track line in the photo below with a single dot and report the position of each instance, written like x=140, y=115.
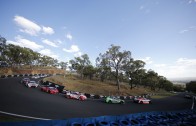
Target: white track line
x=17, y=115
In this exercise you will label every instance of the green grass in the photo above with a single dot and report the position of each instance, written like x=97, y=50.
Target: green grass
x=162, y=95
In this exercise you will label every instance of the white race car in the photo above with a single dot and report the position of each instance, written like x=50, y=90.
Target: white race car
x=76, y=96
x=36, y=76
x=142, y=100
x=32, y=84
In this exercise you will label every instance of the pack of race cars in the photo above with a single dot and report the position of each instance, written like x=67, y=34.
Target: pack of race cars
x=53, y=89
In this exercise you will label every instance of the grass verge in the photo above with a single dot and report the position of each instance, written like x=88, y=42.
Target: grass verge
x=74, y=83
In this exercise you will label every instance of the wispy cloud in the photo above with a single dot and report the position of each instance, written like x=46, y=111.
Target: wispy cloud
x=69, y=36
x=182, y=67
x=49, y=53
x=191, y=28
x=50, y=43
x=30, y=27
x=73, y=48
x=160, y=65
x=183, y=31
x=147, y=60
x=48, y=30
x=78, y=54
x=27, y=26
x=20, y=41
x=191, y=1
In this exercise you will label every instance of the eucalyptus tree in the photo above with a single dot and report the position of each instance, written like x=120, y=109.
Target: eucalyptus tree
x=134, y=70
x=13, y=54
x=79, y=64
x=103, y=67
x=89, y=71
x=116, y=61
x=152, y=79
x=2, y=47
x=63, y=65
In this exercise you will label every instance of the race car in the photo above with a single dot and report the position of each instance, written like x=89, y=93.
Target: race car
x=141, y=100
x=51, y=90
x=75, y=95
x=36, y=76
x=25, y=80
x=31, y=84
x=111, y=99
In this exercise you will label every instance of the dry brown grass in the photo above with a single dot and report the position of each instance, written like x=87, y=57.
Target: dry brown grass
x=95, y=87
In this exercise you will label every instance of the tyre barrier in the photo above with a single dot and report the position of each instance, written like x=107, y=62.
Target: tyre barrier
x=175, y=118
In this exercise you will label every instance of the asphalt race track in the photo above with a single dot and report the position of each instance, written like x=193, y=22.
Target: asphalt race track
x=17, y=98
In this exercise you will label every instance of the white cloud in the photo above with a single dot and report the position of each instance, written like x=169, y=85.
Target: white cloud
x=191, y=28
x=69, y=36
x=160, y=65
x=50, y=43
x=27, y=26
x=47, y=30
x=147, y=60
x=182, y=67
x=30, y=27
x=183, y=31
x=78, y=54
x=191, y=1
x=49, y=53
x=73, y=48
x=25, y=43
x=58, y=41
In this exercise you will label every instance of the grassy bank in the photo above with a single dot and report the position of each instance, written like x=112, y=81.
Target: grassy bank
x=74, y=83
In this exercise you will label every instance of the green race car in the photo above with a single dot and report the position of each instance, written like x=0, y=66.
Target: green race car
x=111, y=99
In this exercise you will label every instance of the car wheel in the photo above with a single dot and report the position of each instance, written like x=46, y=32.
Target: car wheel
x=80, y=98
x=121, y=102
x=141, y=102
x=109, y=101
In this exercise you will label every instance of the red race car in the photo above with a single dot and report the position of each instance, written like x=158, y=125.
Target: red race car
x=76, y=96
x=51, y=90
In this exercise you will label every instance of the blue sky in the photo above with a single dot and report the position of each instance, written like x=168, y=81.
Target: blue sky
x=160, y=32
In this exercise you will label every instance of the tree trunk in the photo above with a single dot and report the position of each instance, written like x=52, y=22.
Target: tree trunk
x=130, y=83
x=117, y=80
x=118, y=84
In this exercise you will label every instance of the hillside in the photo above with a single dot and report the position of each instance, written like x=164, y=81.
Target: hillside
x=74, y=83
x=30, y=70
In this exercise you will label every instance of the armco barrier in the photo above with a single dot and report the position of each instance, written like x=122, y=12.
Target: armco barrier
x=184, y=117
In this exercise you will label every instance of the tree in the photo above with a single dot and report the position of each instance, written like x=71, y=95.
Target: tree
x=152, y=79
x=2, y=47
x=79, y=64
x=191, y=86
x=63, y=65
x=116, y=60
x=134, y=70
x=89, y=71
x=103, y=68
